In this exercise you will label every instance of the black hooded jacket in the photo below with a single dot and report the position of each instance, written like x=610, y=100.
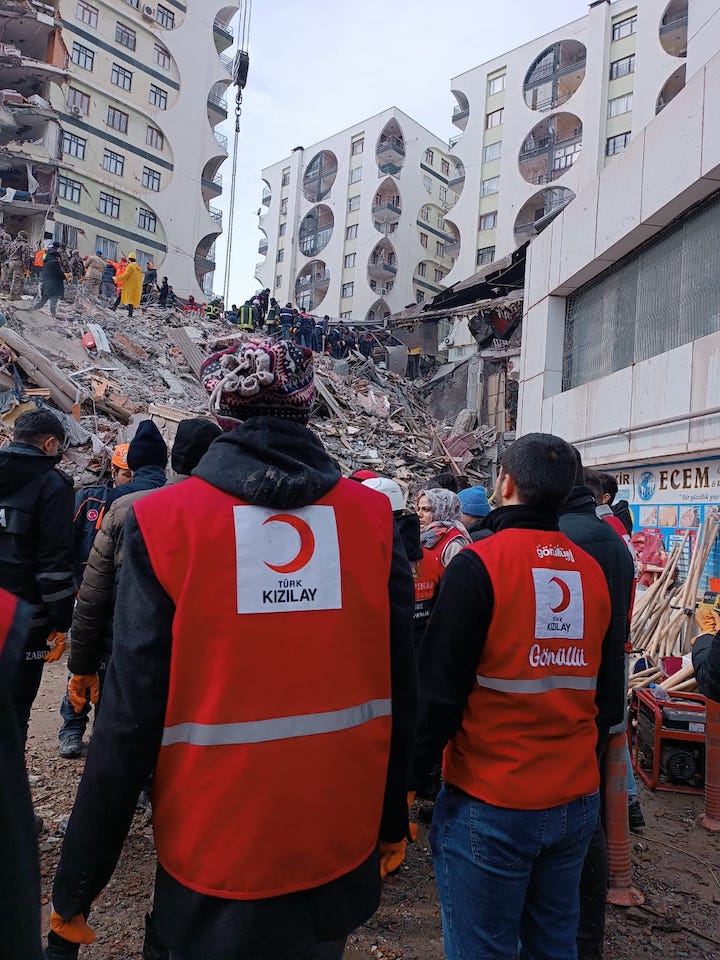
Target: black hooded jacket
x=273, y=463
x=581, y=524
x=706, y=661
x=36, y=536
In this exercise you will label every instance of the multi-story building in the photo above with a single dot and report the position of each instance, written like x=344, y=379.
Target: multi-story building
x=32, y=60
x=140, y=153
x=359, y=225
x=540, y=122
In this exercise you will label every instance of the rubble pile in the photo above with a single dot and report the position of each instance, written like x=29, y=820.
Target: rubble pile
x=105, y=370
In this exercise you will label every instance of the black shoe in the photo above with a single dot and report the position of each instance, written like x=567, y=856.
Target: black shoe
x=71, y=746
x=635, y=815
x=153, y=947
x=60, y=949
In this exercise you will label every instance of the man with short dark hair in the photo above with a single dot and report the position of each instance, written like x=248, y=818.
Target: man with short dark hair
x=621, y=509
x=508, y=670
x=36, y=542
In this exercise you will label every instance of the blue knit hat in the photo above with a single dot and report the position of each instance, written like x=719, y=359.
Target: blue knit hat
x=474, y=502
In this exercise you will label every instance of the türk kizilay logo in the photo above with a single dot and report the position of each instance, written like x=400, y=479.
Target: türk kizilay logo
x=559, y=607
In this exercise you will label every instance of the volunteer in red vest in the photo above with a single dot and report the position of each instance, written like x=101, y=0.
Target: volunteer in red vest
x=263, y=665
x=442, y=536
x=508, y=674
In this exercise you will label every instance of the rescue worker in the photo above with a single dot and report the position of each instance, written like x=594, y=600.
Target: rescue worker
x=62, y=254
x=282, y=604
x=107, y=282
x=212, y=310
x=20, y=260
x=247, y=317
x=52, y=286
x=95, y=267
x=287, y=317
x=508, y=670
x=36, y=543
x=38, y=261
x=150, y=281
x=131, y=280
x=163, y=290
x=77, y=267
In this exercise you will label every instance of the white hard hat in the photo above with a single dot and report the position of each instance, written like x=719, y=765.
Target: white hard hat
x=391, y=490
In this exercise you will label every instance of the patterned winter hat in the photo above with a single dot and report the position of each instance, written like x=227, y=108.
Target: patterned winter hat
x=259, y=378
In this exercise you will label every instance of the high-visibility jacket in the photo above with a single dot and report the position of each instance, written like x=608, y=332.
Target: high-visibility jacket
x=39, y=258
x=528, y=735
x=271, y=774
x=426, y=574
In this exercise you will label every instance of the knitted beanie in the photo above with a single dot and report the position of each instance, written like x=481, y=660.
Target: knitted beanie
x=191, y=443
x=147, y=448
x=474, y=501
x=259, y=378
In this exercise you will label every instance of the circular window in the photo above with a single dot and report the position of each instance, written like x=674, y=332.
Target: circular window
x=555, y=75
x=528, y=222
x=319, y=176
x=315, y=230
x=674, y=28
x=551, y=148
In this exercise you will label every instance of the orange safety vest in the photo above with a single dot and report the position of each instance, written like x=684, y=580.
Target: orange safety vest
x=528, y=736
x=427, y=573
x=278, y=717
x=39, y=258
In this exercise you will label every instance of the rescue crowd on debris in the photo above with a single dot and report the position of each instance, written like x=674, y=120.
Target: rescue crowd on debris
x=279, y=655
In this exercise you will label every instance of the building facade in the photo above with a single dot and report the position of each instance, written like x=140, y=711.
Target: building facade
x=359, y=225
x=621, y=334
x=140, y=155
x=538, y=123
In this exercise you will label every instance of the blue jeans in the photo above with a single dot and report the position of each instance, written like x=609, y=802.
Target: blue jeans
x=76, y=723
x=509, y=877
x=632, y=790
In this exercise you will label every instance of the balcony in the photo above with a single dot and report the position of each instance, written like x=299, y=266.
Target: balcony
x=381, y=269
x=263, y=248
x=213, y=185
x=391, y=150
x=387, y=211
x=389, y=169
x=312, y=281
x=673, y=21
x=227, y=62
x=452, y=248
x=460, y=116
x=266, y=198
x=223, y=33
x=457, y=182
x=566, y=65
x=204, y=264
x=544, y=144
x=215, y=214
x=453, y=141
x=221, y=139
x=218, y=103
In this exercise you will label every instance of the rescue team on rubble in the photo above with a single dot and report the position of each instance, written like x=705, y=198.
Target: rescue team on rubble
x=251, y=634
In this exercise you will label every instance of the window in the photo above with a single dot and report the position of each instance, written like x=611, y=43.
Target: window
x=147, y=220
x=284, y=207
x=419, y=296
x=441, y=221
x=69, y=189
x=285, y=182
x=117, y=119
x=280, y=255
x=125, y=36
x=151, y=179
x=165, y=17
x=565, y=157
x=278, y=281
x=429, y=155
x=421, y=269
x=158, y=97
x=133, y=3
x=346, y=315
x=351, y=232
x=493, y=151
x=76, y=98
x=624, y=28
x=86, y=13
x=488, y=221
x=121, y=77
x=153, y=138
x=354, y=203
x=443, y=194
x=619, y=105
x=281, y=229
x=349, y=260
x=494, y=119
x=492, y=185
x=427, y=183
x=439, y=248
x=358, y=146
x=485, y=255
x=161, y=56
x=113, y=162
x=616, y=144
x=439, y=274
x=496, y=85
x=622, y=67
x=355, y=174
x=348, y=289
x=73, y=146
x=425, y=213
x=108, y=248
x=423, y=240
x=445, y=168
x=109, y=205
x=82, y=56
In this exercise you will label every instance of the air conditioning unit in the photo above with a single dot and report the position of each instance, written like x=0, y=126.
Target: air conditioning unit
x=76, y=111
x=383, y=292
x=148, y=11
x=449, y=341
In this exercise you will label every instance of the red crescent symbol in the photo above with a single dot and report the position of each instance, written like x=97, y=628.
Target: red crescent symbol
x=307, y=543
x=566, y=597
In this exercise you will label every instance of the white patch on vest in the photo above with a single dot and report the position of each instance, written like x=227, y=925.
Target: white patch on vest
x=287, y=560
x=559, y=606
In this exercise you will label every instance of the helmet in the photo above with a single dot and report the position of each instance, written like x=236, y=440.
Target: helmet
x=119, y=457
x=391, y=490
x=131, y=256
x=22, y=235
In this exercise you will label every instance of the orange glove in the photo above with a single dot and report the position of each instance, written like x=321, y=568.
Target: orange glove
x=79, y=686
x=74, y=931
x=57, y=647
x=391, y=856
x=708, y=620
x=412, y=827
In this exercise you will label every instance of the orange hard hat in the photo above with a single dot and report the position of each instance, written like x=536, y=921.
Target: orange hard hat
x=119, y=457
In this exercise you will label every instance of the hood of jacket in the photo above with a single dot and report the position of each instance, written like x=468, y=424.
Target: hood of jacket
x=270, y=462
x=581, y=500
x=20, y=464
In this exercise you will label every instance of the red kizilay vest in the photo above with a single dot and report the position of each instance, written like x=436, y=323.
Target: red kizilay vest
x=272, y=769
x=427, y=573
x=528, y=735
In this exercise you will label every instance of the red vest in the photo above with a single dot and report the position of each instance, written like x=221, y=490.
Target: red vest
x=528, y=735
x=272, y=769
x=8, y=611
x=427, y=573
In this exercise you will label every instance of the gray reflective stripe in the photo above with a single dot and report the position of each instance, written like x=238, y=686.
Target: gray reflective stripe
x=537, y=686
x=52, y=577
x=60, y=595
x=282, y=728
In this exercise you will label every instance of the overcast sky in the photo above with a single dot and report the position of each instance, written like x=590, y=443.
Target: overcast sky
x=318, y=66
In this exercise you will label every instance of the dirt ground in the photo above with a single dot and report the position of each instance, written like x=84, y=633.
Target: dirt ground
x=676, y=865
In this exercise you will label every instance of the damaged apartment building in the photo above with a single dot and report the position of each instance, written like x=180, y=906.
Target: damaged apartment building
x=32, y=57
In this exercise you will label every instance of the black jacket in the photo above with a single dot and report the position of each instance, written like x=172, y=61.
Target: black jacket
x=53, y=278
x=706, y=660
x=479, y=530
x=621, y=509
x=581, y=524
x=146, y=478
x=36, y=537
x=275, y=463
x=89, y=503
